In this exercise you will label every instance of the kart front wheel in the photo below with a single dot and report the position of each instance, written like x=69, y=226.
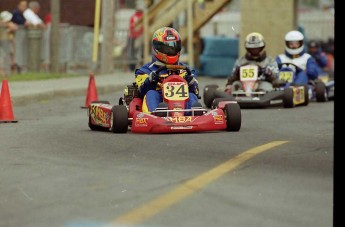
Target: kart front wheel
x=233, y=117
x=119, y=119
x=288, y=98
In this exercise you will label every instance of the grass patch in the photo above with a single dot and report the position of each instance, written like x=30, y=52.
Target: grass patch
x=38, y=76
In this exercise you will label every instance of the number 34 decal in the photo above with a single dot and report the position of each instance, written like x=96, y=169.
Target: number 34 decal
x=176, y=91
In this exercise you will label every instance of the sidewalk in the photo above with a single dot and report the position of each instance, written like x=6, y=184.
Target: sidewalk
x=26, y=92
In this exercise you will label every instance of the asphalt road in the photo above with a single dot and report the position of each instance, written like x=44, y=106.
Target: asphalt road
x=55, y=171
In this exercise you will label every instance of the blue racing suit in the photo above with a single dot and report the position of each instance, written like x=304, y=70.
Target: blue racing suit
x=152, y=94
x=307, y=66
x=321, y=60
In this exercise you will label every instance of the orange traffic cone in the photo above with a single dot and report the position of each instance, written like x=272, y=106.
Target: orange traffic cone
x=91, y=94
x=6, y=110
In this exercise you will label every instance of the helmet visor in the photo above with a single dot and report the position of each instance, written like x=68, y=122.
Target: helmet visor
x=255, y=51
x=294, y=44
x=170, y=48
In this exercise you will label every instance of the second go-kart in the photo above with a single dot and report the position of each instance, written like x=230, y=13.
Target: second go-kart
x=171, y=116
x=248, y=96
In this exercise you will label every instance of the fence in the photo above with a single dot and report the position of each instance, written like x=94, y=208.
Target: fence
x=76, y=42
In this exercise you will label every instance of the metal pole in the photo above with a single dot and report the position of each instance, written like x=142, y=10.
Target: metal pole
x=146, y=36
x=96, y=32
x=55, y=36
x=190, y=34
x=108, y=37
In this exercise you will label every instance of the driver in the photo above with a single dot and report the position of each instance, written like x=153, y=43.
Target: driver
x=255, y=55
x=166, y=48
x=307, y=68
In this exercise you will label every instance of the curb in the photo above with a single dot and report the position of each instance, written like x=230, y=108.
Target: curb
x=44, y=96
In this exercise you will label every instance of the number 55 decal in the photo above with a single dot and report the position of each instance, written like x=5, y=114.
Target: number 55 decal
x=249, y=72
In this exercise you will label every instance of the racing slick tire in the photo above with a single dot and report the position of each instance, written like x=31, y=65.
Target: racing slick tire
x=209, y=94
x=120, y=121
x=320, y=92
x=288, y=98
x=232, y=112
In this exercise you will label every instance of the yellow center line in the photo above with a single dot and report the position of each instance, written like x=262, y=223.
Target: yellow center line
x=155, y=206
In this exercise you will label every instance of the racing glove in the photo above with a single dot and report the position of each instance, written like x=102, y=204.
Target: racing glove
x=228, y=89
x=154, y=77
x=268, y=72
x=190, y=79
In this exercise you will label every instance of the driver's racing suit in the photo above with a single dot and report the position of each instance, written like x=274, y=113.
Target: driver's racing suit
x=268, y=73
x=152, y=94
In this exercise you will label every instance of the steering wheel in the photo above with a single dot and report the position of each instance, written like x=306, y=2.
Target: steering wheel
x=288, y=65
x=173, y=67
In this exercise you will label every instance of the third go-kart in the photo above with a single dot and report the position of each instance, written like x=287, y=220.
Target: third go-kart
x=248, y=95
x=319, y=90
x=322, y=89
x=171, y=116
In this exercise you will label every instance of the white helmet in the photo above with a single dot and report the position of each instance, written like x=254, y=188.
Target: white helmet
x=294, y=36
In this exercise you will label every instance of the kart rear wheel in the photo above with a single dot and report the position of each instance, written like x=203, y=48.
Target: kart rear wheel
x=320, y=92
x=119, y=119
x=232, y=112
x=209, y=94
x=288, y=98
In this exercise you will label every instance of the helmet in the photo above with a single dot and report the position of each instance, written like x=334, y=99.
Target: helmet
x=254, y=44
x=313, y=44
x=166, y=45
x=294, y=37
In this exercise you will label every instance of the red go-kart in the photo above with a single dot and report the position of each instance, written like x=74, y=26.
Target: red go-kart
x=169, y=117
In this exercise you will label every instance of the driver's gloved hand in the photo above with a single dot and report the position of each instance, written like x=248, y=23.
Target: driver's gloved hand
x=268, y=72
x=153, y=77
x=190, y=79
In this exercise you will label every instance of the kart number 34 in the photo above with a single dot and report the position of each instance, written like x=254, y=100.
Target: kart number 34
x=175, y=91
x=249, y=72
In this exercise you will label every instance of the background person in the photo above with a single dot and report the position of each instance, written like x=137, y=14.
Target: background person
x=7, y=29
x=133, y=36
x=314, y=49
x=31, y=15
x=18, y=14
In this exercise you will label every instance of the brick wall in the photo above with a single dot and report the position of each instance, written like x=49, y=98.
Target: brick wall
x=76, y=12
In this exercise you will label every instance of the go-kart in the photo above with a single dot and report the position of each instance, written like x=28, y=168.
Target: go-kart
x=248, y=96
x=322, y=89
x=319, y=90
x=171, y=116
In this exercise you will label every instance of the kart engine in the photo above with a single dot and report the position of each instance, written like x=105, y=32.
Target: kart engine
x=130, y=93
